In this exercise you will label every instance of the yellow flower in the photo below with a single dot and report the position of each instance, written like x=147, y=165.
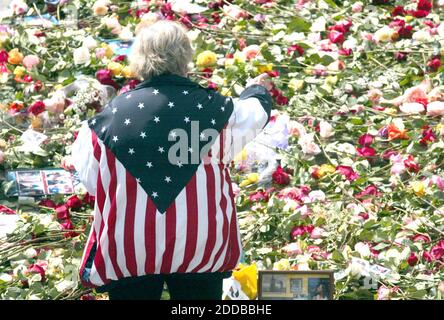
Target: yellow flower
x=265, y=68
x=206, y=59
x=241, y=156
x=325, y=169
x=247, y=277
x=331, y=80
x=391, y=111
x=15, y=56
x=296, y=84
x=115, y=68
x=127, y=72
x=36, y=123
x=418, y=188
x=282, y=265
x=226, y=92
x=408, y=19
x=239, y=57
x=251, y=178
x=19, y=71
x=108, y=50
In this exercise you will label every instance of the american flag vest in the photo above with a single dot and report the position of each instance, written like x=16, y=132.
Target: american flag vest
x=159, y=211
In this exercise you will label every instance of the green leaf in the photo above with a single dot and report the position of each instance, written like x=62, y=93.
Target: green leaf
x=298, y=24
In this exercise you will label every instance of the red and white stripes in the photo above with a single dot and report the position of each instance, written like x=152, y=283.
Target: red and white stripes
x=198, y=232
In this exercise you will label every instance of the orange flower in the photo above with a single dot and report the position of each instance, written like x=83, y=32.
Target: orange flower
x=15, y=56
x=395, y=133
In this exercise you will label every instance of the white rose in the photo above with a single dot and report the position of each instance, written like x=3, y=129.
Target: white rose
x=412, y=108
x=384, y=34
x=346, y=148
x=435, y=108
x=325, y=129
x=308, y=145
x=126, y=34
x=30, y=253
x=318, y=25
x=363, y=249
x=82, y=56
x=89, y=42
x=421, y=36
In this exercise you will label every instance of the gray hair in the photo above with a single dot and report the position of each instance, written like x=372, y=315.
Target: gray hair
x=162, y=47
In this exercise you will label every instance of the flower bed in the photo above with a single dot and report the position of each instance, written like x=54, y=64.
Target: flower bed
x=347, y=176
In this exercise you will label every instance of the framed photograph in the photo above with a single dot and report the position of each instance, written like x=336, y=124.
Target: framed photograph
x=295, y=285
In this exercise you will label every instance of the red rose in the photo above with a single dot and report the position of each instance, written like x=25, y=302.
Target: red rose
x=212, y=85
x=419, y=13
x=89, y=199
x=336, y=36
x=420, y=238
x=398, y=11
x=388, y=153
x=345, y=52
x=411, y=164
x=119, y=58
x=425, y=5
x=67, y=225
x=62, y=212
x=35, y=268
x=294, y=48
x=367, y=152
x=273, y=73
x=37, y=107
x=104, y=77
x=74, y=202
x=281, y=100
x=364, y=215
x=47, y=203
x=4, y=56
x=427, y=136
x=370, y=190
x=427, y=256
x=348, y=172
x=405, y=32
x=412, y=259
x=4, y=209
x=365, y=140
x=434, y=64
x=297, y=231
x=437, y=251
x=280, y=176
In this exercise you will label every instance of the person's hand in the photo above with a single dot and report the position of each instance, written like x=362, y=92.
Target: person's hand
x=262, y=80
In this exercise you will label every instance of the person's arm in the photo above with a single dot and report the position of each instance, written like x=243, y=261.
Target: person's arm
x=250, y=114
x=84, y=160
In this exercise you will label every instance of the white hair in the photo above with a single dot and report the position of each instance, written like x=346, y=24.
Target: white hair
x=162, y=47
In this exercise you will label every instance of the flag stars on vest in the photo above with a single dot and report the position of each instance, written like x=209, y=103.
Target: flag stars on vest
x=185, y=92
x=127, y=122
x=187, y=119
x=128, y=96
x=199, y=106
x=209, y=97
x=168, y=179
x=115, y=138
x=170, y=104
x=202, y=136
x=179, y=164
x=156, y=119
x=93, y=121
x=131, y=151
x=173, y=134
x=213, y=122
x=154, y=194
x=149, y=164
x=138, y=180
x=143, y=135
x=161, y=150
x=141, y=106
x=155, y=92
x=114, y=110
x=222, y=108
x=190, y=150
x=103, y=129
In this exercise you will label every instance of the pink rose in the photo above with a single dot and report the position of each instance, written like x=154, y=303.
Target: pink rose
x=325, y=129
x=357, y=7
x=56, y=103
x=398, y=168
x=100, y=53
x=365, y=140
x=348, y=172
x=383, y=293
x=435, y=108
x=438, y=181
x=317, y=233
x=251, y=51
x=292, y=249
x=316, y=195
x=30, y=61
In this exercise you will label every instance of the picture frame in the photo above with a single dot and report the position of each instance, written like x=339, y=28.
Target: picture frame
x=295, y=285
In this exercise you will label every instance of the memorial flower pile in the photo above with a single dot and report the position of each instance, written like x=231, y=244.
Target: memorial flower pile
x=347, y=176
